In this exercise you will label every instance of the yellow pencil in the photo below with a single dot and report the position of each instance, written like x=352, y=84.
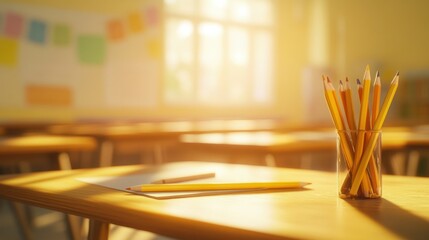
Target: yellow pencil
x=332, y=103
x=215, y=186
x=372, y=141
x=376, y=99
x=363, y=113
x=366, y=85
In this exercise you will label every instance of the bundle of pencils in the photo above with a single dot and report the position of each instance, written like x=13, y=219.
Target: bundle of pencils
x=357, y=141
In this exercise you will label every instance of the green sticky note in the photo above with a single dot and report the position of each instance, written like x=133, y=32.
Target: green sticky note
x=91, y=49
x=61, y=34
x=9, y=52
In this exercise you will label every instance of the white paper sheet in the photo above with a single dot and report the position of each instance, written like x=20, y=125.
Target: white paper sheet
x=122, y=182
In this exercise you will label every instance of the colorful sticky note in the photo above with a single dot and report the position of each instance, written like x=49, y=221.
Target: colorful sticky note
x=115, y=30
x=9, y=51
x=37, y=31
x=91, y=49
x=1, y=23
x=154, y=48
x=152, y=16
x=13, y=25
x=47, y=95
x=61, y=35
x=135, y=22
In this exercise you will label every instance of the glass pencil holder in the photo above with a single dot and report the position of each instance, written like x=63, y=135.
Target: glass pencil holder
x=359, y=164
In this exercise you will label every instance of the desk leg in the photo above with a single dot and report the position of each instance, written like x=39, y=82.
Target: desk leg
x=98, y=230
x=106, y=153
x=158, y=153
x=22, y=220
x=270, y=160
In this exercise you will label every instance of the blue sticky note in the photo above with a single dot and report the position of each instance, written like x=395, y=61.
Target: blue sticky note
x=37, y=31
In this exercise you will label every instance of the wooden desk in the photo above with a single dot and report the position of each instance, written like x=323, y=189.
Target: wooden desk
x=44, y=143
x=299, y=141
x=267, y=142
x=314, y=213
x=155, y=135
x=20, y=150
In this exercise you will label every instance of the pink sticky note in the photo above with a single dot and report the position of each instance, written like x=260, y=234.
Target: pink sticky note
x=13, y=25
x=152, y=16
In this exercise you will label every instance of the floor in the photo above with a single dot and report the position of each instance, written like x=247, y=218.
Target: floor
x=50, y=225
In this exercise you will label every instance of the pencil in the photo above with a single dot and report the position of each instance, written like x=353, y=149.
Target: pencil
x=332, y=103
x=360, y=89
x=366, y=85
x=372, y=141
x=342, y=91
x=350, y=108
x=215, y=186
x=185, y=178
x=376, y=98
x=373, y=168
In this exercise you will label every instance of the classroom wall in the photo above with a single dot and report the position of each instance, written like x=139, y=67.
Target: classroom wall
x=314, y=37
x=391, y=36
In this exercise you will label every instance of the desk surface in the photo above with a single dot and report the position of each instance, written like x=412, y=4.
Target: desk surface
x=164, y=129
x=298, y=141
x=314, y=213
x=44, y=143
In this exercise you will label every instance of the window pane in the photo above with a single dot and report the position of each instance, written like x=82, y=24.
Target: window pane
x=240, y=10
x=263, y=67
x=210, y=57
x=186, y=7
x=237, y=79
x=216, y=9
x=262, y=12
x=179, y=59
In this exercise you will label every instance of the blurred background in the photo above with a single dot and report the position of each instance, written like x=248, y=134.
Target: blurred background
x=153, y=59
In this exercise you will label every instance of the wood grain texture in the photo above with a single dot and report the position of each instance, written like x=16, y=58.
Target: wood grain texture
x=313, y=213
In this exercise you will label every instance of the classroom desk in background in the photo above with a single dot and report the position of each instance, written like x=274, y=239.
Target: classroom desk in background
x=155, y=135
x=315, y=212
x=24, y=146
x=394, y=139
x=23, y=151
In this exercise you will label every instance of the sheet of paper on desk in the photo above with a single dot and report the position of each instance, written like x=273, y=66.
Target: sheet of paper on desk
x=122, y=182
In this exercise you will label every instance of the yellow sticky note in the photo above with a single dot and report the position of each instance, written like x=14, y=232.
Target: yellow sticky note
x=154, y=48
x=9, y=52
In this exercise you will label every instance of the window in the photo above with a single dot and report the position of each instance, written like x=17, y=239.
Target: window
x=219, y=52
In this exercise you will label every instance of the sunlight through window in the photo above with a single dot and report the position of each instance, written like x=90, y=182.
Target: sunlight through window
x=219, y=52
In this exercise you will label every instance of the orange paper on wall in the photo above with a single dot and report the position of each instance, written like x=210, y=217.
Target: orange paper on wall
x=44, y=95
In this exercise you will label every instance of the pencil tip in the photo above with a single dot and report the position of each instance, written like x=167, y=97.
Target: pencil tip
x=377, y=74
x=341, y=82
x=367, y=75
x=329, y=80
x=397, y=73
x=358, y=81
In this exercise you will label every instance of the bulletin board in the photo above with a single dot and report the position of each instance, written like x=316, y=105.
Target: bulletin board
x=55, y=57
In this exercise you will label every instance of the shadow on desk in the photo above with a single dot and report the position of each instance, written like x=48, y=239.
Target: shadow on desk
x=395, y=219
